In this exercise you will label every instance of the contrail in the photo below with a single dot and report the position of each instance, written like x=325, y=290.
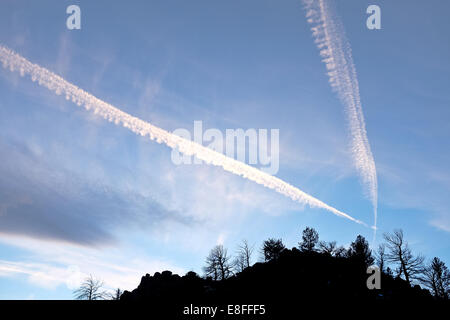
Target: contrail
x=57, y=84
x=329, y=36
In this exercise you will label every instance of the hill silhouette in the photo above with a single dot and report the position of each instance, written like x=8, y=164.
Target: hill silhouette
x=294, y=278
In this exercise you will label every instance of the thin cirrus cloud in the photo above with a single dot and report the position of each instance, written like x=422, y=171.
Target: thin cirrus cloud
x=50, y=265
x=329, y=36
x=37, y=202
x=60, y=86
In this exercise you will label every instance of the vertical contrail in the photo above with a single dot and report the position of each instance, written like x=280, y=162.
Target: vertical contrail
x=57, y=84
x=329, y=36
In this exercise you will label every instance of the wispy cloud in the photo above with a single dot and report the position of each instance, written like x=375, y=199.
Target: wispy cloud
x=49, y=264
x=336, y=52
x=39, y=201
x=60, y=86
x=404, y=190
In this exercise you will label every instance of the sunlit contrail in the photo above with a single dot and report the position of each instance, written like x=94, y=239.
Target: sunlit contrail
x=55, y=83
x=335, y=50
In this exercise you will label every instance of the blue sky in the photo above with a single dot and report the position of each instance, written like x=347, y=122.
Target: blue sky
x=79, y=195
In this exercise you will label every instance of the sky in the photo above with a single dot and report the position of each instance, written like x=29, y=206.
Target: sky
x=81, y=196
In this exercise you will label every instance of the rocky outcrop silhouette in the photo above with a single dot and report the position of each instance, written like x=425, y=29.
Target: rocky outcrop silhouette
x=294, y=279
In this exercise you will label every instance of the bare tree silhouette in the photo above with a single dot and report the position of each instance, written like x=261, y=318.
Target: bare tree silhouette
x=244, y=256
x=218, y=264
x=90, y=289
x=380, y=256
x=327, y=248
x=340, y=252
x=116, y=294
x=399, y=252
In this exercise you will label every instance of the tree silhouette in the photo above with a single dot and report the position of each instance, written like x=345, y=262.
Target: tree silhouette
x=244, y=256
x=310, y=237
x=331, y=249
x=328, y=248
x=360, y=251
x=272, y=249
x=218, y=265
x=437, y=278
x=381, y=256
x=399, y=252
x=389, y=272
x=116, y=295
x=330, y=274
x=90, y=289
x=340, y=252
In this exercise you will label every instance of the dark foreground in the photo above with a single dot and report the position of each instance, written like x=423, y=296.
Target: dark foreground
x=285, y=288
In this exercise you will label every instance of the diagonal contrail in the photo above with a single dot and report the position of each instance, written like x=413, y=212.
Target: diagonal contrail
x=57, y=84
x=329, y=36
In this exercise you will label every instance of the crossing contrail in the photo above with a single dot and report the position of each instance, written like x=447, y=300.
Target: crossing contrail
x=57, y=84
x=329, y=36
